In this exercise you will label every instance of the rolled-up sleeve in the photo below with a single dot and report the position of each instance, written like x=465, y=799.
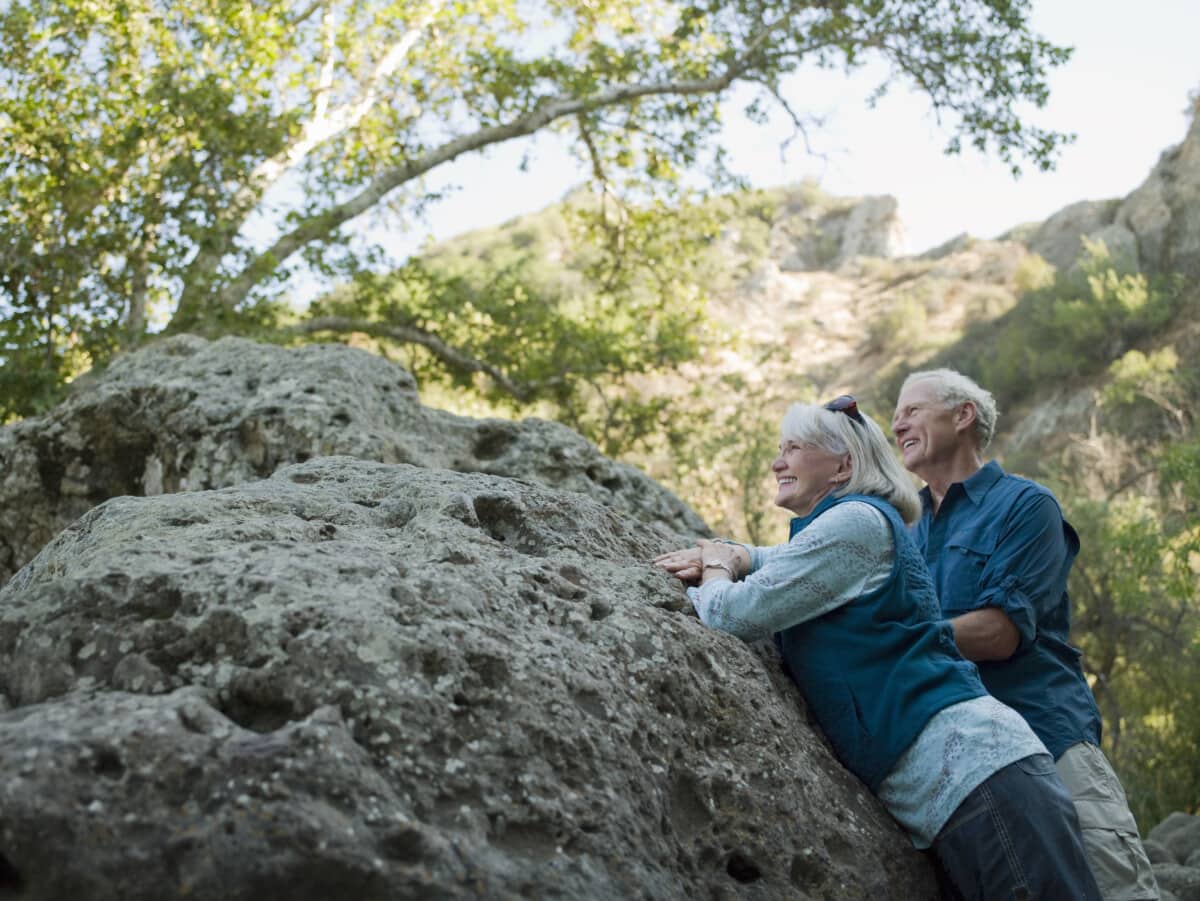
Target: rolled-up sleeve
x=1024, y=575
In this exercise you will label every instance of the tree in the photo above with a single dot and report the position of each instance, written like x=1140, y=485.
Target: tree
x=1137, y=600
x=147, y=141
x=1130, y=483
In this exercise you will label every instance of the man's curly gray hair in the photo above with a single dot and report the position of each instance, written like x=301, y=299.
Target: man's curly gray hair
x=954, y=388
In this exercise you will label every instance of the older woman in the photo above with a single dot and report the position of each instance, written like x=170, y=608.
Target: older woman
x=853, y=612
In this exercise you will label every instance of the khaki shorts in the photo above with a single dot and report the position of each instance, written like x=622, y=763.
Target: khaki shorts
x=1110, y=835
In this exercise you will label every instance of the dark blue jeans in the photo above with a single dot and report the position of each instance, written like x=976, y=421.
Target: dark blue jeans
x=1016, y=836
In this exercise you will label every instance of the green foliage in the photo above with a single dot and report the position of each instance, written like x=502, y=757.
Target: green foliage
x=1136, y=375
x=1075, y=326
x=1181, y=470
x=1033, y=274
x=568, y=305
x=901, y=327
x=172, y=163
x=1136, y=592
x=1143, y=387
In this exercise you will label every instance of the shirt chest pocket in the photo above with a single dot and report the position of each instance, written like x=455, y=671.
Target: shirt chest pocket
x=963, y=564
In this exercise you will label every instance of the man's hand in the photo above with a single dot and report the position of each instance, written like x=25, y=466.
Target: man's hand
x=985, y=634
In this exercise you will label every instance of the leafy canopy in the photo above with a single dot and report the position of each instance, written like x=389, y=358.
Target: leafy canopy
x=151, y=144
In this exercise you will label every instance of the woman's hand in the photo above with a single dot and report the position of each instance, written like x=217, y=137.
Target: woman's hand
x=684, y=564
x=722, y=560
x=687, y=564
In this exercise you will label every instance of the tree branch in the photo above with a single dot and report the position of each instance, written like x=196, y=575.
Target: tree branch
x=410, y=334
x=325, y=125
x=304, y=13
x=322, y=127
x=800, y=124
x=323, y=224
x=325, y=82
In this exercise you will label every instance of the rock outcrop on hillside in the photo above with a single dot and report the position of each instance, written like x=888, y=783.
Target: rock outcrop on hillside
x=821, y=235
x=1156, y=228
x=382, y=681
x=187, y=414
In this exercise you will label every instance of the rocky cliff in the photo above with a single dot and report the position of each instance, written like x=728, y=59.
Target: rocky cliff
x=1156, y=228
x=385, y=678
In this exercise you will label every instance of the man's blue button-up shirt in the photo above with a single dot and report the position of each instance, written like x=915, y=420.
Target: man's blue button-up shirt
x=998, y=540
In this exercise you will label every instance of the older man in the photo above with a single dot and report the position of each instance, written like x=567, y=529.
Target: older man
x=1000, y=551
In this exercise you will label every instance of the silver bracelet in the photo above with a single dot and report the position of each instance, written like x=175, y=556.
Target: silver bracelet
x=724, y=566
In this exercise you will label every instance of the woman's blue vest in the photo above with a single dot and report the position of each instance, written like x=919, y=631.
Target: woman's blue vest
x=877, y=668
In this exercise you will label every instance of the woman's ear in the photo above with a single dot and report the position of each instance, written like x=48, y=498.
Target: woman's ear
x=844, y=471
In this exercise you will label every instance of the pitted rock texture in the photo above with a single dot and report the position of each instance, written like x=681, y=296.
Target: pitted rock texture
x=368, y=680
x=189, y=414
x=1174, y=846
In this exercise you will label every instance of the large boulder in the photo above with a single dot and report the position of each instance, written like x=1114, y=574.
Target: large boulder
x=379, y=681
x=1179, y=833
x=189, y=414
x=1183, y=883
x=1174, y=849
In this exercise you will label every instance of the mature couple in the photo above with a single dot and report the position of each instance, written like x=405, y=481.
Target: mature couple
x=935, y=655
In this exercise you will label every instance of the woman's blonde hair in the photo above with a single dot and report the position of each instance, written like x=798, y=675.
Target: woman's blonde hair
x=873, y=469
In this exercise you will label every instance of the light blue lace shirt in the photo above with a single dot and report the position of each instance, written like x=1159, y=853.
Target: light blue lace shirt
x=845, y=554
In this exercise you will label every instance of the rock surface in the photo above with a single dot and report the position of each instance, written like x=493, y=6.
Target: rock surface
x=1164, y=212
x=189, y=414
x=822, y=235
x=1155, y=228
x=370, y=680
x=1059, y=240
x=1176, y=858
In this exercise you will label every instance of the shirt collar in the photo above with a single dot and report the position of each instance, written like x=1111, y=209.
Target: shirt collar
x=981, y=482
x=976, y=486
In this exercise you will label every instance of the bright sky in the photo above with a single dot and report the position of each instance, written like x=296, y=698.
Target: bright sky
x=1123, y=93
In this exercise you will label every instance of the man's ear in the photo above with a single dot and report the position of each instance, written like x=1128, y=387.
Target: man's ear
x=964, y=417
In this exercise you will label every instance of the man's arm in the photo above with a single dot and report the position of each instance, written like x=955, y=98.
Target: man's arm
x=1021, y=583
x=986, y=634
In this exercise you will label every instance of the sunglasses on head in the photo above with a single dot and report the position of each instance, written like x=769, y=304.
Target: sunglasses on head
x=846, y=404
